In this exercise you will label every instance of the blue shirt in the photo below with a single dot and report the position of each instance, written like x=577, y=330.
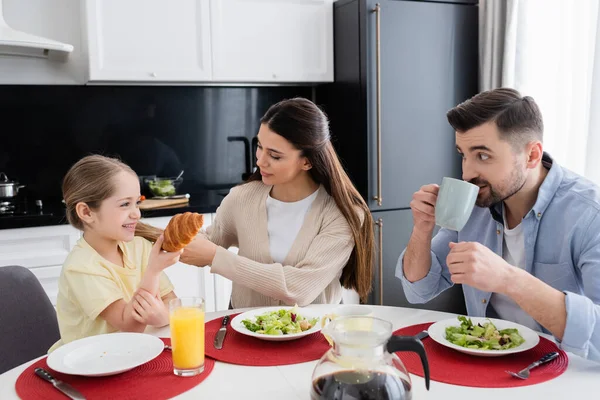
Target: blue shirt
x=562, y=246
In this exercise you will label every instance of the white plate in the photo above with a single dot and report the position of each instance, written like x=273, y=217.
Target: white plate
x=107, y=354
x=307, y=313
x=437, y=332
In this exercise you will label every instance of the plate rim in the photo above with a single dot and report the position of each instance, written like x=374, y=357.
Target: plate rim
x=454, y=322
x=237, y=326
x=54, y=359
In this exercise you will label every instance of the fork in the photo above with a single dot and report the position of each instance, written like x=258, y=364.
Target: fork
x=524, y=374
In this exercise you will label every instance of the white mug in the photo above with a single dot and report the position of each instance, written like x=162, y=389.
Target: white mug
x=455, y=203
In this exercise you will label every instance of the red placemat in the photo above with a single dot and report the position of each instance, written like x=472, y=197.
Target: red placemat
x=247, y=350
x=456, y=368
x=153, y=380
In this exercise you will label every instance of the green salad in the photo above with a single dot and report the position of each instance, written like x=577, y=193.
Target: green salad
x=483, y=337
x=280, y=322
x=163, y=187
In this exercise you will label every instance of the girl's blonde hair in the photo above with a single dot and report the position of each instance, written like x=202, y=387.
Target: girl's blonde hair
x=90, y=181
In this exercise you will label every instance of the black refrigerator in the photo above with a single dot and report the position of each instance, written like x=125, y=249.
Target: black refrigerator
x=399, y=67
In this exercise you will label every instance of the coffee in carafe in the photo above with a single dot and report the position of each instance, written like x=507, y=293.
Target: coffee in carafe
x=353, y=385
x=362, y=364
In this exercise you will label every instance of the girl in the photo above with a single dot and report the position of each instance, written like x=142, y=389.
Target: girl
x=302, y=229
x=111, y=281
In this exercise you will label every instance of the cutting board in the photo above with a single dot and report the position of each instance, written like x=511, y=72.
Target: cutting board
x=151, y=204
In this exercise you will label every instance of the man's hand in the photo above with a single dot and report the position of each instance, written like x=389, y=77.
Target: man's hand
x=149, y=309
x=475, y=265
x=423, y=209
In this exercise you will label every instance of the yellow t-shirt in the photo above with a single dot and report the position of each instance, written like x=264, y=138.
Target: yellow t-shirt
x=89, y=283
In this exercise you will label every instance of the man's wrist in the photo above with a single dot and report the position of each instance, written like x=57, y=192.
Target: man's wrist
x=513, y=281
x=423, y=235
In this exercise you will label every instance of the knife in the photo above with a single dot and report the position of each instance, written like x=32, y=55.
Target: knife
x=422, y=335
x=64, y=387
x=221, y=333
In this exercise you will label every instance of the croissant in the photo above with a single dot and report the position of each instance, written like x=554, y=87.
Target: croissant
x=181, y=230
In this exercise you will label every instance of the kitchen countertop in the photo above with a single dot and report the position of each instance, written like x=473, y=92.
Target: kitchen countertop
x=54, y=211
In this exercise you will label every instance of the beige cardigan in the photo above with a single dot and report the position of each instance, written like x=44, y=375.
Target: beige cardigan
x=310, y=272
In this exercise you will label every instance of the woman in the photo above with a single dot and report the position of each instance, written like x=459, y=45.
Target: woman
x=302, y=229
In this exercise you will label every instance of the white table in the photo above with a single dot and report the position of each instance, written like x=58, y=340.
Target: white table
x=228, y=381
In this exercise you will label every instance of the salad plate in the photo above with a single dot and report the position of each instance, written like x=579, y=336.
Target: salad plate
x=278, y=324
x=485, y=337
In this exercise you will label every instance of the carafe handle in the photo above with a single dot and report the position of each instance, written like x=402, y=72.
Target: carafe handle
x=410, y=343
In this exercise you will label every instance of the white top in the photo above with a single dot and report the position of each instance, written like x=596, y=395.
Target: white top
x=284, y=221
x=513, y=252
x=231, y=381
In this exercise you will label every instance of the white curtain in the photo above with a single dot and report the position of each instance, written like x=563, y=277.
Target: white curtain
x=550, y=50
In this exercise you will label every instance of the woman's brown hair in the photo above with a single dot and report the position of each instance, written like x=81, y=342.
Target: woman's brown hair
x=306, y=127
x=90, y=181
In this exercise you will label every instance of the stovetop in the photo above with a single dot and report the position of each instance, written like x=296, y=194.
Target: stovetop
x=10, y=208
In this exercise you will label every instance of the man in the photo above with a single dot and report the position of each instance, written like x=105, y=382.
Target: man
x=530, y=252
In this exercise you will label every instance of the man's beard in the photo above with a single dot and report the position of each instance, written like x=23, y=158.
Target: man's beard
x=501, y=192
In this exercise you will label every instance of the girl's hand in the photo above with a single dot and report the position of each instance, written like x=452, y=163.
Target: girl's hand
x=159, y=259
x=149, y=310
x=200, y=252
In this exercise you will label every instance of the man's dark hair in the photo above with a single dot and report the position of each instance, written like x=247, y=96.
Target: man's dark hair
x=518, y=118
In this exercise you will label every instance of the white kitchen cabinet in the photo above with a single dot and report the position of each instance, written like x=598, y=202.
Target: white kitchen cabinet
x=43, y=246
x=147, y=40
x=272, y=40
x=48, y=277
x=41, y=249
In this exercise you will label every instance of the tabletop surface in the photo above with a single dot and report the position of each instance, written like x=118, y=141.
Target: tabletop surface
x=294, y=381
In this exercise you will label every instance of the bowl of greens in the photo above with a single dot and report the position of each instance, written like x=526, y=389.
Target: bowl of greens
x=164, y=187
x=486, y=337
x=278, y=323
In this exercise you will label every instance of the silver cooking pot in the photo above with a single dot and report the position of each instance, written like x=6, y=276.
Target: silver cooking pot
x=9, y=188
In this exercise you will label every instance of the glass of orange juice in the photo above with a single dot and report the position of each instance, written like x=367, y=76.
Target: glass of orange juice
x=187, y=335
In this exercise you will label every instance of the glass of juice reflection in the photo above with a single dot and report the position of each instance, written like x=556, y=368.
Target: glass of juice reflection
x=187, y=335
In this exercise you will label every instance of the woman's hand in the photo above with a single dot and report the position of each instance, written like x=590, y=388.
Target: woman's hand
x=159, y=259
x=200, y=252
x=149, y=310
